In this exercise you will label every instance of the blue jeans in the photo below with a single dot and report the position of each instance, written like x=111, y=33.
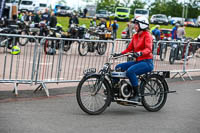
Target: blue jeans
x=136, y=68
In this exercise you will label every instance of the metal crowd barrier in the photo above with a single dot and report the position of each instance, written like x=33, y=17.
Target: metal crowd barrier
x=35, y=65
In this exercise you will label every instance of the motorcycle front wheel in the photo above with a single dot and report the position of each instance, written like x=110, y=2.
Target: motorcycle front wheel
x=93, y=95
x=83, y=48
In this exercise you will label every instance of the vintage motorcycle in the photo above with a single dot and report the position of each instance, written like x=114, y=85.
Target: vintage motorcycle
x=74, y=32
x=178, y=50
x=96, y=91
x=95, y=33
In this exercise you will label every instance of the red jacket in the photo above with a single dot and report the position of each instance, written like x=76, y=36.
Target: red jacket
x=141, y=43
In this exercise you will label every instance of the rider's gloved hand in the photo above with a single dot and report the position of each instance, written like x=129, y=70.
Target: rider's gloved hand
x=137, y=54
x=117, y=54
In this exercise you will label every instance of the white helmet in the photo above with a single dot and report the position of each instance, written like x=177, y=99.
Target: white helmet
x=142, y=21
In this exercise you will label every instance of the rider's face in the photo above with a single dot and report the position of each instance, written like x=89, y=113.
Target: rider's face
x=136, y=27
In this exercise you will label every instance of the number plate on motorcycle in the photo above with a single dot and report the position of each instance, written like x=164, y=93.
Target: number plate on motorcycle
x=89, y=71
x=87, y=35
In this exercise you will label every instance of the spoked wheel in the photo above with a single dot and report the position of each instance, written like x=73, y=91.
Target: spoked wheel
x=153, y=92
x=163, y=51
x=67, y=46
x=47, y=45
x=172, y=56
x=83, y=48
x=23, y=41
x=93, y=95
x=101, y=48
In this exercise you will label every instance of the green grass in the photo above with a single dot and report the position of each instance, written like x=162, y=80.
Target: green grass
x=64, y=21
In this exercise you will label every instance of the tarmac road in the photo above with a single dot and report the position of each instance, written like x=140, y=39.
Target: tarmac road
x=61, y=114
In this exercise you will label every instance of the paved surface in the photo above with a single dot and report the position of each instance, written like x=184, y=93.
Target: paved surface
x=35, y=113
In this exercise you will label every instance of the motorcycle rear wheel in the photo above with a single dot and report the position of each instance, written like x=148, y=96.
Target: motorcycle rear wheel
x=101, y=48
x=153, y=92
x=172, y=56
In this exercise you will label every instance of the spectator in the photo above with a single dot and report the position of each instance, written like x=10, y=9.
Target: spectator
x=73, y=19
x=180, y=32
x=93, y=22
x=46, y=16
x=115, y=27
x=102, y=22
x=23, y=17
x=53, y=20
x=174, y=31
x=156, y=26
x=156, y=32
x=85, y=12
x=131, y=30
x=37, y=18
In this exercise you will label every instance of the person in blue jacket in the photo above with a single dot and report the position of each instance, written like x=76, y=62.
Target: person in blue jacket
x=174, y=31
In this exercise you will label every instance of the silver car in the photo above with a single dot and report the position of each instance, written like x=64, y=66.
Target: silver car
x=159, y=19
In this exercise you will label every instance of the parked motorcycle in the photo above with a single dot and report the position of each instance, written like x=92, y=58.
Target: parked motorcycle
x=93, y=33
x=178, y=50
x=74, y=31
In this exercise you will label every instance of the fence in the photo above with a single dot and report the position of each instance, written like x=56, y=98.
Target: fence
x=73, y=56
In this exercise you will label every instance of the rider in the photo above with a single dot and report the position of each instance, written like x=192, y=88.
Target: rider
x=141, y=46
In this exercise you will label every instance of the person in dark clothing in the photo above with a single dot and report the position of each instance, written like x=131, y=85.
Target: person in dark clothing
x=115, y=27
x=73, y=20
x=37, y=18
x=53, y=20
x=102, y=22
x=46, y=16
x=85, y=12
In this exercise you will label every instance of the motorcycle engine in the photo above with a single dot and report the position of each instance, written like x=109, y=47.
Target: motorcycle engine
x=126, y=89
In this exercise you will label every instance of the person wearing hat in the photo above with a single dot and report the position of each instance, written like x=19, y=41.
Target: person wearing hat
x=115, y=27
x=141, y=47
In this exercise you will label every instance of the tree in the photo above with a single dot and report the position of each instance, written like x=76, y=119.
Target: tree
x=62, y=2
x=126, y=2
x=107, y=4
x=137, y=4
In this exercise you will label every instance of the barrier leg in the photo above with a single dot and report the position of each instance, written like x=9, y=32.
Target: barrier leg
x=41, y=87
x=38, y=88
x=15, y=90
x=181, y=75
x=189, y=76
x=45, y=89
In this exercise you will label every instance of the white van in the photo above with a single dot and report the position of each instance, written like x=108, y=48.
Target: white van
x=141, y=12
x=30, y=5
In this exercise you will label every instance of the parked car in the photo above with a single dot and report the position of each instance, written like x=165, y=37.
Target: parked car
x=175, y=20
x=62, y=10
x=122, y=13
x=198, y=21
x=102, y=14
x=166, y=34
x=141, y=12
x=189, y=22
x=159, y=19
x=125, y=33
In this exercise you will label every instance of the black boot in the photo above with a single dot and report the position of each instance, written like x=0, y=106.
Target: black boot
x=137, y=97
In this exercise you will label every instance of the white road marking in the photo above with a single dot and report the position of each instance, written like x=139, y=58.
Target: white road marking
x=197, y=89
